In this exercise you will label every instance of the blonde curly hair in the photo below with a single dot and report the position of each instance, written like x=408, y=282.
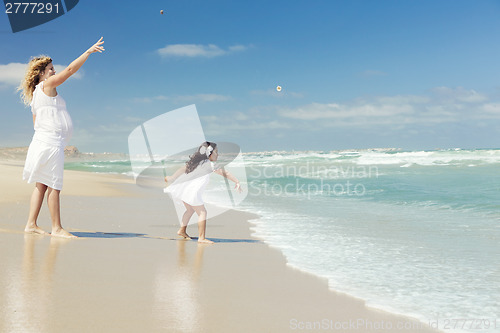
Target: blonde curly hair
x=35, y=69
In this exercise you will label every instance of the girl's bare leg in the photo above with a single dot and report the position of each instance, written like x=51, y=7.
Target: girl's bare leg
x=55, y=212
x=185, y=220
x=202, y=224
x=35, y=206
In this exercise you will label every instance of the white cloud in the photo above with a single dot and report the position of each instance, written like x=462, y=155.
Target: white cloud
x=204, y=98
x=493, y=108
x=184, y=98
x=236, y=123
x=272, y=92
x=315, y=111
x=11, y=74
x=197, y=50
x=403, y=99
x=219, y=125
x=444, y=105
x=237, y=48
x=459, y=94
x=240, y=116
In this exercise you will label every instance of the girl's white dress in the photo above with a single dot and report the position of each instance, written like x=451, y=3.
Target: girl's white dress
x=53, y=129
x=189, y=187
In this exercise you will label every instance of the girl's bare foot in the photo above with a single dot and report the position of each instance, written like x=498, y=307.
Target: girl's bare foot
x=183, y=234
x=204, y=241
x=34, y=229
x=62, y=233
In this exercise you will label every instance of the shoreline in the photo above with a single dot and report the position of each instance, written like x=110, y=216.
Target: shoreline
x=422, y=322
x=240, y=281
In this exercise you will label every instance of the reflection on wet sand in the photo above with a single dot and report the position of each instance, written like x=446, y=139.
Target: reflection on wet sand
x=176, y=290
x=30, y=293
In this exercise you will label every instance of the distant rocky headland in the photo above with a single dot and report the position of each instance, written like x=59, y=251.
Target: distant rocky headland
x=71, y=153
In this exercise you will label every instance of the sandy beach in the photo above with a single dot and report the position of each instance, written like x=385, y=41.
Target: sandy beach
x=129, y=273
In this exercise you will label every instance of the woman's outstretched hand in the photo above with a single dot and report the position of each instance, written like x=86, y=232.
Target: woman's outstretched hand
x=97, y=46
x=237, y=187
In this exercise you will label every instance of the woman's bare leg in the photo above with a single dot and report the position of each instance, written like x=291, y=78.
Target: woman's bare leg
x=55, y=213
x=202, y=224
x=35, y=206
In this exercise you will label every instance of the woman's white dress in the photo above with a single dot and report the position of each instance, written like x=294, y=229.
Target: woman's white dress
x=53, y=129
x=189, y=187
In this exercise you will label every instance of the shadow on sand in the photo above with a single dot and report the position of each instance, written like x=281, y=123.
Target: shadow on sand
x=98, y=234
x=228, y=240
x=106, y=235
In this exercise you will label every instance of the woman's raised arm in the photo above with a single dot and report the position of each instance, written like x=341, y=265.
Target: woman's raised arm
x=58, y=79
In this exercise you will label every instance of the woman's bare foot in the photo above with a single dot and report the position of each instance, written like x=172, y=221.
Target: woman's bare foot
x=183, y=234
x=34, y=229
x=204, y=241
x=62, y=233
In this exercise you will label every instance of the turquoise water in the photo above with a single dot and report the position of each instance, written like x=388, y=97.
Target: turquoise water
x=101, y=166
x=417, y=233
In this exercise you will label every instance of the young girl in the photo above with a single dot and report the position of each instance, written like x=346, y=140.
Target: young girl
x=188, y=183
x=53, y=129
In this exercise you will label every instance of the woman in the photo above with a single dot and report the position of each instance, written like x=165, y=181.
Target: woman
x=189, y=182
x=53, y=129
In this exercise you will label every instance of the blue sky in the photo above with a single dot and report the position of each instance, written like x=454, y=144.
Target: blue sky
x=355, y=74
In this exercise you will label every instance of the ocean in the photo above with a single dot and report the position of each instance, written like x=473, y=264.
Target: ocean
x=412, y=232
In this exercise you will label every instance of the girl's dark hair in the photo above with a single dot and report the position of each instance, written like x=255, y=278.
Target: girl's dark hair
x=198, y=157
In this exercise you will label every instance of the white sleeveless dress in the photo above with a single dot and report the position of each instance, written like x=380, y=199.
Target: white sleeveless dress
x=53, y=129
x=189, y=187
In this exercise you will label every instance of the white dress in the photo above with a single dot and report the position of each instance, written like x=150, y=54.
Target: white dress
x=189, y=187
x=53, y=129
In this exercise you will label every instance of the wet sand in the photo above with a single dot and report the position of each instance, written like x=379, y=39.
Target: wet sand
x=129, y=273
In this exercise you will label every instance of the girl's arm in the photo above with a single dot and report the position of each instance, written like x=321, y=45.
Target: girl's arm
x=58, y=79
x=179, y=172
x=229, y=176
